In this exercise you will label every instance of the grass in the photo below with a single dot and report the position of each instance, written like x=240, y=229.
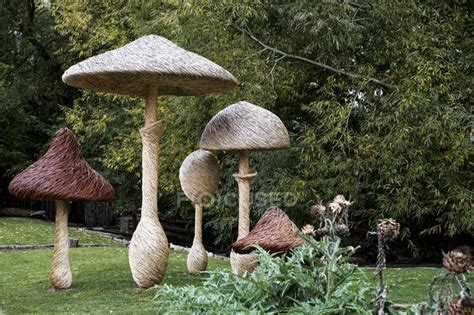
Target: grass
x=410, y=285
x=26, y=231
x=102, y=282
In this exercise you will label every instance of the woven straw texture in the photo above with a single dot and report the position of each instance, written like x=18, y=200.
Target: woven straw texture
x=243, y=264
x=199, y=176
x=61, y=174
x=61, y=276
x=148, y=250
x=150, y=61
x=274, y=232
x=197, y=257
x=244, y=126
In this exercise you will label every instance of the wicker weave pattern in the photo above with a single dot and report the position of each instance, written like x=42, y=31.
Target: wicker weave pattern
x=199, y=177
x=61, y=276
x=274, y=232
x=61, y=174
x=150, y=61
x=148, y=250
x=244, y=126
x=197, y=257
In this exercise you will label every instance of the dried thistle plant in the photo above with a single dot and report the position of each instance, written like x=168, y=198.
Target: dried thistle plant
x=442, y=289
x=333, y=218
x=387, y=230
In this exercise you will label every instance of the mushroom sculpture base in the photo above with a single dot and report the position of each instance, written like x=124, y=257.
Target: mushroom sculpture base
x=243, y=264
x=61, y=276
x=148, y=251
x=197, y=258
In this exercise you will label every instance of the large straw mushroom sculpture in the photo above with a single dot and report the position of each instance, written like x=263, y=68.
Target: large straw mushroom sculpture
x=199, y=177
x=150, y=66
x=274, y=232
x=244, y=127
x=62, y=175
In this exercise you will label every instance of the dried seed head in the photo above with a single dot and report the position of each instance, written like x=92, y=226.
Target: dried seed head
x=388, y=229
x=308, y=229
x=458, y=260
x=462, y=306
x=318, y=210
x=342, y=229
x=335, y=207
x=341, y=200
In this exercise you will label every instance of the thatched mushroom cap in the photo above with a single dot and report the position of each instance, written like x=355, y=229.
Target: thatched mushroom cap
x=61, y=174
x=244, y=126
x=199, y=176
x=274, y=232
x=150, y=61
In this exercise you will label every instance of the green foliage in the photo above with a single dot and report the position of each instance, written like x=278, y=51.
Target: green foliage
x=402, y=148
x=315, y=278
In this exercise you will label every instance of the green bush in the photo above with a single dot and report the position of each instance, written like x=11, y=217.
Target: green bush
x=316, y=278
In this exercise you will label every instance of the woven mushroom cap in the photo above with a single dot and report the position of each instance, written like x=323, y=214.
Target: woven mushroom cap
x=61, y=174
x=199, y=176
x=150, y=61
x=274, y=232
x=244, y=126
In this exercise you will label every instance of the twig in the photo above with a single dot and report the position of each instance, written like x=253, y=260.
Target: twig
x=315, y=63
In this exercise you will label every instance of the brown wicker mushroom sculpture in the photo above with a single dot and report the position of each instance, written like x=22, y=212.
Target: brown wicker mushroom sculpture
x=150, y=66
x=63, y=175
x=244, y=127
x=199, y=177
x=274, y=232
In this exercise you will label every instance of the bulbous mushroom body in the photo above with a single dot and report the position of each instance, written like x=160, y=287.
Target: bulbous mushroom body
x=199, y=177
x=244, y=127
x=150, y=66
x=63, y=175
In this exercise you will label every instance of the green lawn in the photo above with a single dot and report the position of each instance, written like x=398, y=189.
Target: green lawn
x=102, y=282
x=25, y=231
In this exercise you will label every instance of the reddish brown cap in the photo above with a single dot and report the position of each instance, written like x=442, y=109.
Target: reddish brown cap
x=274, y=232
x=61, y=174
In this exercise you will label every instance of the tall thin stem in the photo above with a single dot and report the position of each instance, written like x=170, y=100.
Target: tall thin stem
x=198, y=224
x=148, y=251
x=61, y=276
x=242, y=264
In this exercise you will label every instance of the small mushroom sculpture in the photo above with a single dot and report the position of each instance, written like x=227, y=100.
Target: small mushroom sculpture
x=150, y=66
x=199, y=177
x=63, y=175
x=274, y=232
x=244, y=127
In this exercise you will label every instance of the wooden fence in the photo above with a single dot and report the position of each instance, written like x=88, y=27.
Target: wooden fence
x=89, y=214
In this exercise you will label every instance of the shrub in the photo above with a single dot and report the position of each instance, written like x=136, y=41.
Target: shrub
x=316, y=278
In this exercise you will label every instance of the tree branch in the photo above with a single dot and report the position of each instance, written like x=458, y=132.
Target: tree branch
x=315, y=63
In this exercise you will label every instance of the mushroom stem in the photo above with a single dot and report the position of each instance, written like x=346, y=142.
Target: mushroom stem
x=148, y=250
x=242, y=264
x=61, y=276
x=150, y=107
x=197, y=257
x=243, y=178
x=198, y=224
